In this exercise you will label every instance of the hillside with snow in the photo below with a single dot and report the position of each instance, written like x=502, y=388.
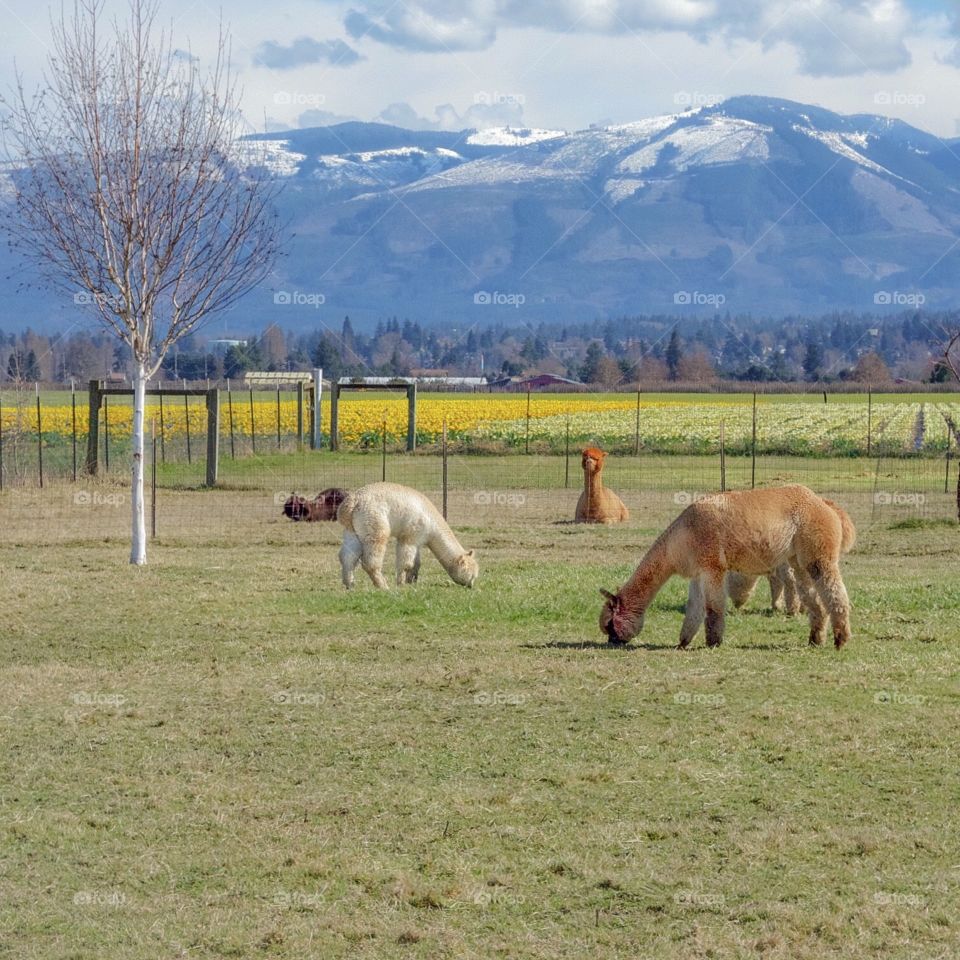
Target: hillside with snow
x=757, y=204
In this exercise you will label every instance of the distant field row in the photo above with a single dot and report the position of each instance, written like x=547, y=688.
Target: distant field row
x=662, y=423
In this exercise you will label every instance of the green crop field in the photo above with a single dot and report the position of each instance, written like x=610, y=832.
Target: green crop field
x=225, y=755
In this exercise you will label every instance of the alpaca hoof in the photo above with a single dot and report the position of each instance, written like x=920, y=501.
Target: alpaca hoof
x=838, y=642
x=617, y=643
x=816, y=640
x=683, y=645
x=714, y=643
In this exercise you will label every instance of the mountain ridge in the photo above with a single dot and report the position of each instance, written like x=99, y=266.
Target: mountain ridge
x=754, y=204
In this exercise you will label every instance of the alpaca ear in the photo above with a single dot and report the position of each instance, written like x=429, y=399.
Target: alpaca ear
x=607, y=595
x=469, y=553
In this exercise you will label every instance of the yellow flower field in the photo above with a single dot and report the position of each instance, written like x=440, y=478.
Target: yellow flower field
x=799, y=425
x=359, y=418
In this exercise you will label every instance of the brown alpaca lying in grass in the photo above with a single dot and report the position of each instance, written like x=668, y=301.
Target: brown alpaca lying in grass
x=322, y=507
x=596, y=503
x=751, y=532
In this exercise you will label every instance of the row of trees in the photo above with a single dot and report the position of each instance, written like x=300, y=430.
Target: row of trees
x=631, y=349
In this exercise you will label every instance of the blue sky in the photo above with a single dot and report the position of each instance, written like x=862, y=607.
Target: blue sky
x=557, y=63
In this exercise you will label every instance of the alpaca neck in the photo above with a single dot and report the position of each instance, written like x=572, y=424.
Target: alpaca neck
x=653, y=571
x=593, y=486
x=444, y=545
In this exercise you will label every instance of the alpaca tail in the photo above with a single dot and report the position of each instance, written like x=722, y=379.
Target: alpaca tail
x=345, y=511
x=849, y=530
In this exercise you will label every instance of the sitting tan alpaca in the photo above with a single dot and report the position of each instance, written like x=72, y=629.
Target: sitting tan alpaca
x=596, y=503
x=375, y=513
x=749, y=531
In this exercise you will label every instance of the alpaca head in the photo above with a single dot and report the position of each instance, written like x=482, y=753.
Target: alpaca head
x=328, y=502
x=295, y=508
x=465, y=569
x=592, y=460
x=614, y=620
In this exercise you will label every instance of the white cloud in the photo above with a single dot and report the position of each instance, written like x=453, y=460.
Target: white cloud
x=479, y=116
x=304, y=50
x=831, y=37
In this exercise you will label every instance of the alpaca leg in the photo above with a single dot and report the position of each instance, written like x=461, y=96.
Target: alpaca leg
x=715, y=600
x=791, y=592
x=833, y=593
x=350, y=551
x=693, y=617
x=408, y=557
x=777, y=587
x=811, y=600
x=415, y=572
x=371, y=560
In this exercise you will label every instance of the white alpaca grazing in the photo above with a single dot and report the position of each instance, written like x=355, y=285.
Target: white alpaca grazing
x=375, y=513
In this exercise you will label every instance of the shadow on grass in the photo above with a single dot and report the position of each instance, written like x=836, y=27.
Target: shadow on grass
x=597, y=645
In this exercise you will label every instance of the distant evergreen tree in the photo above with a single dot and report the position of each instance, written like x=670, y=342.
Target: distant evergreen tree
x=673, y=355
x=240, y=358
x=778, y=367
x=326, y=355
x=23, y=366
x=348, y=339
x=812, y=360
x=589, y=372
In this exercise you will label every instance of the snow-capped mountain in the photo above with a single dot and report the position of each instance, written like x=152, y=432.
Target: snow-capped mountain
x=753, y=204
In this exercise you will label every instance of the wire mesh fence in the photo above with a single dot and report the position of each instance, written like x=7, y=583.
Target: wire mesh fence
x=892, y=458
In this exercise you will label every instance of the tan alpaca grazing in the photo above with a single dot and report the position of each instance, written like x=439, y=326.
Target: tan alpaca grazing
x=784, y=589
x=373, y=514
x=751, y=532
x=596, y=503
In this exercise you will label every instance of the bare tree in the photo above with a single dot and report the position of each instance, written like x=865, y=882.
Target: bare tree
x=951, y=353
x=951, y=358
x=132, y=193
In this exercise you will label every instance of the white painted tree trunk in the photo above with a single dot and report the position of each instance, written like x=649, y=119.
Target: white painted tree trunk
x=138, y=541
